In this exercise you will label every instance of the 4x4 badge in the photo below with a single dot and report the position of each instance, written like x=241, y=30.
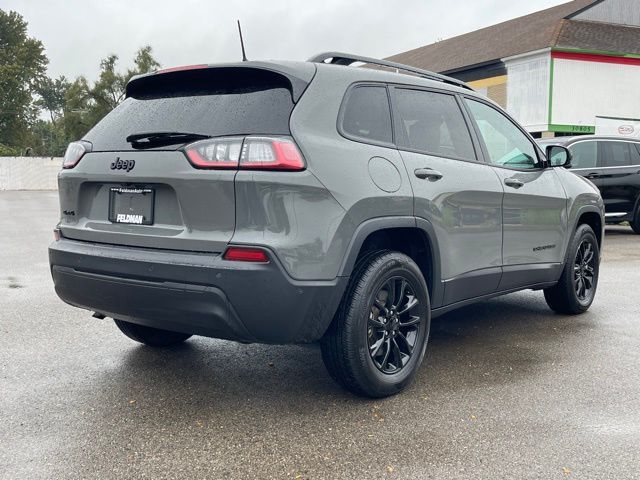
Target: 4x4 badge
x=118, y=164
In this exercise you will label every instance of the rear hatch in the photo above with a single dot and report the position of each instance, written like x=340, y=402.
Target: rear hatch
x=134, y=184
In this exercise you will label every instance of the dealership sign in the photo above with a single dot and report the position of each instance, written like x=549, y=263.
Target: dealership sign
x=612, y=126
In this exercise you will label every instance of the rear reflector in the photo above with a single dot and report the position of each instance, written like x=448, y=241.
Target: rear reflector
x=56, y=234
x=252, y=152
x=246, y=254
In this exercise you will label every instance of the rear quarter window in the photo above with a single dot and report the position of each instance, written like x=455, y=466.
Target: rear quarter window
x=366, y=115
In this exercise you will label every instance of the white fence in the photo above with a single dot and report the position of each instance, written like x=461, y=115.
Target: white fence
x=29, y=173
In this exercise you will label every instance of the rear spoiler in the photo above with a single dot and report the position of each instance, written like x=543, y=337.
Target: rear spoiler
x=296, y=75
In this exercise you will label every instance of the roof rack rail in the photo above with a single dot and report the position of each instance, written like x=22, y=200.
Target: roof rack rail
x=338, y=58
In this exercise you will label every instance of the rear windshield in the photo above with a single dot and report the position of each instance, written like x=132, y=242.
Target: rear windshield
x=215, y=102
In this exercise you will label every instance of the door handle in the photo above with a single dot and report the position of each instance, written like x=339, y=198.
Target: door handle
x=513, y=182
x=429, y=173
x=593, y=175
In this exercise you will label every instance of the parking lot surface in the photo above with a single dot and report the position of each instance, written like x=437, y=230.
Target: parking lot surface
x=508, y=389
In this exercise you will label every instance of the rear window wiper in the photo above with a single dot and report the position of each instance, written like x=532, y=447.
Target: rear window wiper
x=149, y=139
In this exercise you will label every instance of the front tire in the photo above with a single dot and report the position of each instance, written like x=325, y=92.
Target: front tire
x=635, y=223
x=153, y=337
x=378, y=338
x=576, y=289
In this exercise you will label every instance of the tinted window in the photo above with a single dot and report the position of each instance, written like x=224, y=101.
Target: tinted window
x=212, y=102
x=635, y=154
x=584, y=155
x=367, y=115
x=433, y=124
x=616, y=154
x=506, y=144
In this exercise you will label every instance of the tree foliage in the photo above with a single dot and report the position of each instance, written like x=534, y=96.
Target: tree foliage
x=22, y=67
x=109, y=90
x=87, y=104
x=52, y=96
x=43, y=114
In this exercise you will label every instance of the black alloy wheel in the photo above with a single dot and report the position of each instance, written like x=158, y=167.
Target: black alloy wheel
x=378, y=338
x=392, y=329
x=576, y=287
x=583, y=271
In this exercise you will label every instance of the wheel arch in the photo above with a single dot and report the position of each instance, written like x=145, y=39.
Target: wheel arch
x=410, y=235
x=587, y=215
x=593, y=217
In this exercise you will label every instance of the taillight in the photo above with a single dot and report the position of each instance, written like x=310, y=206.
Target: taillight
x=246, y=254
x=271, y=153
x=221, y=152
x=252, y=152
x=75, y=151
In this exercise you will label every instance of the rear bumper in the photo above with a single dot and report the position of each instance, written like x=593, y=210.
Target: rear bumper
x=194, y=293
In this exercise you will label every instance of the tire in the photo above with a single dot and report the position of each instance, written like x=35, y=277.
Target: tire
x=153, y=337
x=372, y=327
x=635, y=223
x=572, y=294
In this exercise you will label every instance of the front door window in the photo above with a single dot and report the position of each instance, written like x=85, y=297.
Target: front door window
x=506, y=145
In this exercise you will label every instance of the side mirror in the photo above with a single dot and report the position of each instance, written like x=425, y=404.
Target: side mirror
x=558, y=156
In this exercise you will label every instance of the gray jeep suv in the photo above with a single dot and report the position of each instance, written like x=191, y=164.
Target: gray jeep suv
x=284, y=202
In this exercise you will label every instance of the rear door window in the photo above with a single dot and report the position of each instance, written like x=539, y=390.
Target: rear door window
x=366, y=115
x=584, y=154
x=616, y=154
x=432, y=123
x=213, y=102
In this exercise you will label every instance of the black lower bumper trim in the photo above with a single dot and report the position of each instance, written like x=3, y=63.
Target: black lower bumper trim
x=193, y=292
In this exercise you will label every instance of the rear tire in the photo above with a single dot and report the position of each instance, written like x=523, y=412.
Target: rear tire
x=576, y=289
x=153, y=337
x=378, y=338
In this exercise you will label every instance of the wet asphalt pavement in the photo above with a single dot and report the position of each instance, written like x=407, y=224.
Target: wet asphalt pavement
x=508, y=389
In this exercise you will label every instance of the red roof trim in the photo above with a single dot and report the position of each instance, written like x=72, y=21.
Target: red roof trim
x=590, y=57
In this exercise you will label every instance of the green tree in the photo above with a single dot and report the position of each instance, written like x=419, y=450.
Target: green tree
x=77, y=109
x=52, y=95
x=144, y=63
x=48, y=138
x=22, y=67
x=86, y=105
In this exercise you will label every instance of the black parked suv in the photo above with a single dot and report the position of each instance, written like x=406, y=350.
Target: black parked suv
x=613, y=165
x=284, y=202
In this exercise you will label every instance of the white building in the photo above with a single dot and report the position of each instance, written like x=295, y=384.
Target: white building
x=558, y=71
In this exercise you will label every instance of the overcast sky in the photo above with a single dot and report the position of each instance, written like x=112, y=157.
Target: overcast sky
x=78, y=33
